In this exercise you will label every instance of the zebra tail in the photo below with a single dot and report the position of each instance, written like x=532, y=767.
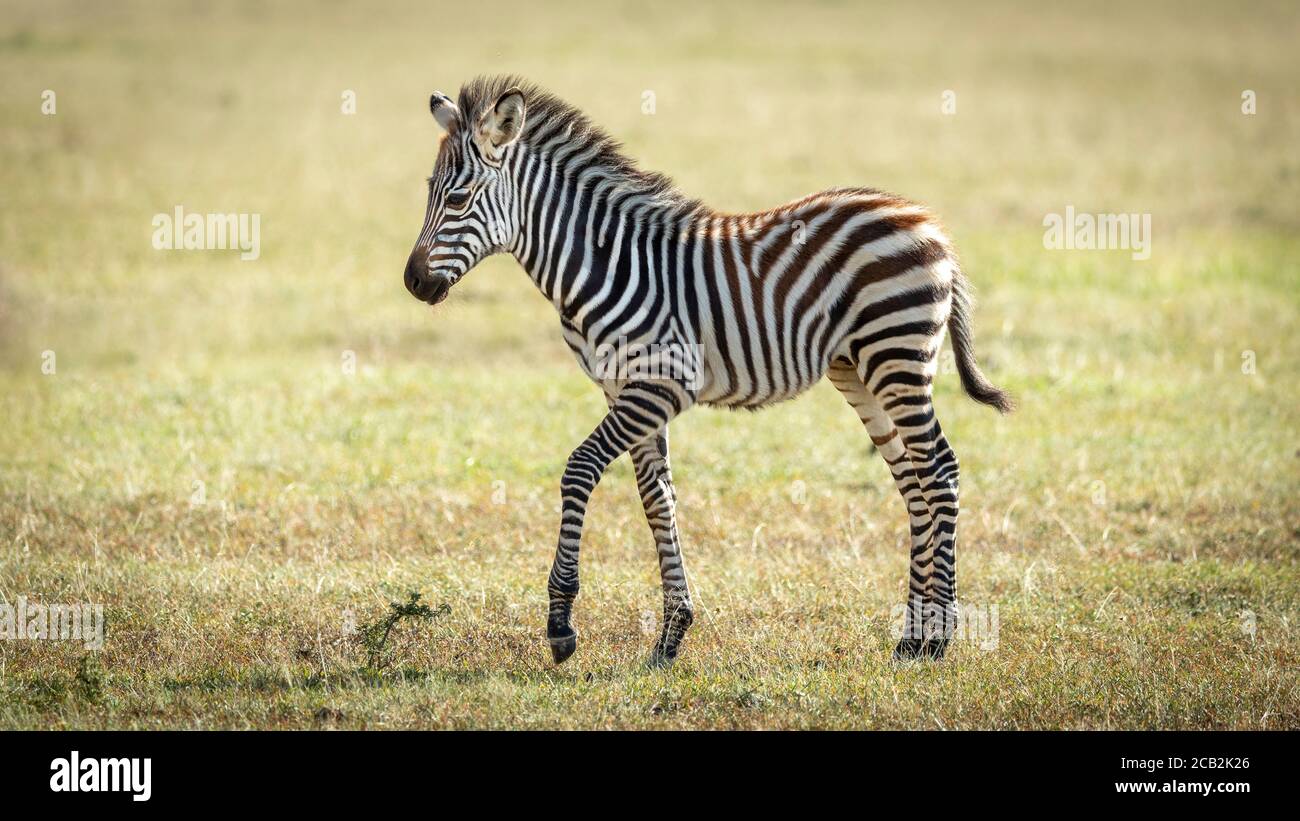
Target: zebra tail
x=973, y=381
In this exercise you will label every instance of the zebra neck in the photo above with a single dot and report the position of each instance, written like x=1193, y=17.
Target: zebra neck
x=586, y=235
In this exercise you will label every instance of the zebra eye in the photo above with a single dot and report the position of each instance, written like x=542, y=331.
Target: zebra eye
x=457, y=199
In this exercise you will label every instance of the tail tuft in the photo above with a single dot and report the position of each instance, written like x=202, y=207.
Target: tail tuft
x=973, y=381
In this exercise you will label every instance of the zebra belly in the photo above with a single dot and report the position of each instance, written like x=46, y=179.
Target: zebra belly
x=754, y=391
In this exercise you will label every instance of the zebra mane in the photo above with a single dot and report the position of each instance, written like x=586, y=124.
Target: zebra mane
x=548, y=116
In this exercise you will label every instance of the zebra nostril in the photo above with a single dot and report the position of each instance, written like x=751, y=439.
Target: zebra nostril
x=415, y=276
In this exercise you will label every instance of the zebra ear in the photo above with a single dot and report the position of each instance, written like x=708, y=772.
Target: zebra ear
x=444, y=110
x=502, y=124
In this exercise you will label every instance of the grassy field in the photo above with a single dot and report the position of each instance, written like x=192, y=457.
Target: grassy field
x=203, y=461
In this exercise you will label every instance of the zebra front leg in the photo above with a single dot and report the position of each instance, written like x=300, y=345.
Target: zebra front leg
x=640, y=410
x=654, y=481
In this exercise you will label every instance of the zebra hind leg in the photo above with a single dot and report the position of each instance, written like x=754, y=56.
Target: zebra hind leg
x=654, y=482
x=886, y=440
x=942, y=494
x=929, y=475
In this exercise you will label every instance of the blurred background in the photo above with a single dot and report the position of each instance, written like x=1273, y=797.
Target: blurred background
x=231, y=453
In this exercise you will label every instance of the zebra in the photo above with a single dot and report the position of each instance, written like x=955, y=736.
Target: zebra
x=667, y=304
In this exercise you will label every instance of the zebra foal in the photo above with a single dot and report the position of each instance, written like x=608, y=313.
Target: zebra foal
x=667, y=304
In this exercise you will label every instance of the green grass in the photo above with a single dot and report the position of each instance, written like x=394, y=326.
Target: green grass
x=1130, y=522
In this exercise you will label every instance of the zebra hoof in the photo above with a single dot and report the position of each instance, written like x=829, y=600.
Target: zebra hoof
x=563, y=646
x=909, y=649
x=928, y=649
x=934, y=649
x=660, y=660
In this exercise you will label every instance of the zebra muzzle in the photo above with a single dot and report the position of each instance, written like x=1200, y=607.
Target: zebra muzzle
x=422, y=286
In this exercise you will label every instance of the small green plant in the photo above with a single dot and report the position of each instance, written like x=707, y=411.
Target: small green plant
x=90, y=679
x=373, y=636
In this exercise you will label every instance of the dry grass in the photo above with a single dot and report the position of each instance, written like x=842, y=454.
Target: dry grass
x=1129, y=523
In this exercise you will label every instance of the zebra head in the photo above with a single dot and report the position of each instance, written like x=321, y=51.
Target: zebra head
x=470, y=214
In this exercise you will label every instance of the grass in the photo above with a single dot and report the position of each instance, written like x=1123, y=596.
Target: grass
x=202, y=464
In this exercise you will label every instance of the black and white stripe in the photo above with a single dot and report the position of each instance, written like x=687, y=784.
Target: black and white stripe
x=667, y=304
